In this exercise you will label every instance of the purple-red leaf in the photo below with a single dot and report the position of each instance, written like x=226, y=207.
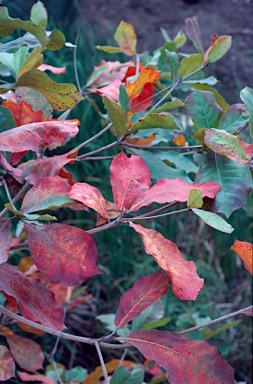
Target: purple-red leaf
x=130, y=177
x=34, y=136
x=5, y=239
x=65, y=254
x=34, y=300
x=186, y=361
x=193, y=32
x=7, y=365
x=17, y=173
x=89, y=196
x=166, y=191
x=186, y=284
x=144, y=292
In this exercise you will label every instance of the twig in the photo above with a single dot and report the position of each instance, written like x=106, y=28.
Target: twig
x=75, y=63
x=8, y=194
x=159, y=209
x=167, y=148
x=102, y=363
x=15, y=199
x=109, y=146
x=155, y=216
x=19, y=246
x=93, y=137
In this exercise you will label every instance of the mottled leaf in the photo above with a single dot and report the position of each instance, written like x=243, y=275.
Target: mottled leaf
x=186, y=361
x=129, y=177
x=23, y=113
x=154, y=120
x=247, y=96
x=190, y=64
x=34, y=136
x=144, y=292
x=166, y=191
x=227, y=145
x=90, y=196
x=233, y=119
x=116, y=115
x=205, y=87
x=7, y=365
x=214, y=220
x=34, y=300
x=126, y=38
x=193, y=32
x=186, y=284
x=235, y=180
x=218, y=49
x=245, y=251
x=65, y=254
x=5, y=239
x=203, y=109
x=60, y=96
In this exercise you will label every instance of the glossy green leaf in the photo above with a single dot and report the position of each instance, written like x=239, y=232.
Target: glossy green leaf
x=39, y=14
x=214, y=220
x=190, y=64
x=233, y=119
x=225, y=144
x=180, y=161
x=176, y=103
x=60, y=96
x=218, y=49
x=123, y=98
x=157, y=167
x=195, y=199
x=154, y=120
x=173, y=63
x=53, y=202
x=203, y=109
x=234, y=178
x=29, y=216
x=247, y=97
x=205, y=87
x=108, y=48
x=116, y=115
x=6, y=119
x=193, y=32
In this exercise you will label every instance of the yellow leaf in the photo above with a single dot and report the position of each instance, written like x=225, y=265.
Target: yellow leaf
x=126, y=38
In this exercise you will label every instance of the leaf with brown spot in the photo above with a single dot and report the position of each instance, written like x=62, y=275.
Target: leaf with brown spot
x=7, y=365
x=34, y=300
x=186, y=284
x=245, y=251
x=65, y=254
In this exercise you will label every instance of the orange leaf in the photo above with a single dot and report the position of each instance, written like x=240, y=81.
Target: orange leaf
x=142, y=141
x=126, y=38
x=147, y=75
x=94, y=377
x=23, y=112
x=180, y=140
x=245, y=251
x=28, y=328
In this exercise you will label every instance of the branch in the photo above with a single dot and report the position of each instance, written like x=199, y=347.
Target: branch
x=160, y=147
x=155, y=216
x=15, y=199
x=102, y=363
x=60, y=334
x=83, y=157
x=93, y=137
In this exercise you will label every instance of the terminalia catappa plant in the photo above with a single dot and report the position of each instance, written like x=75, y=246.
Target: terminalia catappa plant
x=210, y=177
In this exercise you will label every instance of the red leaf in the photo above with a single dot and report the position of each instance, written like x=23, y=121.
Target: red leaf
x=50, y=166
x=16, y=173
x=186, y=361
x=25, y=352
x=7, y=365
x=65, y=254
x=186, y=284
x=34, y=300
x=43, y=379
x=44, y=188
x=55, y=70
x=130, y=177
x=146, y=93
x=112, y=70
x=5, y=239
x=89, y=196
x=111, y=90
x=145, y=291
x=166, y=191
x=34, y=136
x=245, y=251
x=23, y=112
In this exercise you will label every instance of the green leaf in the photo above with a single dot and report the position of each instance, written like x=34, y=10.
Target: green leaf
x=214, y=220
x=195, y=199
x=77, y=373
x=8, y=60
x=176, y=103
x=225, y=144
x=180, y=161
x=205, y=87
x=203, y=109
x=27, y=39
x=39, y=14
x=123, y=375
x=218, y=49
x=234, y=178
x=179, y=39
x=211, y=80
x=233, y=119
x=208, y=332
x=108, y=49
x=154, y=120
x=29, y=216
x=60, y=96
x=157, y=167
x=246, y=95
x=52, y=202
x=123, y=98
x=157, y=324
x=7, y=120
x=190, y=64
x=193, y=32
x=116, y=115
x=173, y=63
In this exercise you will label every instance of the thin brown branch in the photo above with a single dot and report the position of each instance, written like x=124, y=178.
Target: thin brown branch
x=16, y=198
x=102, y=363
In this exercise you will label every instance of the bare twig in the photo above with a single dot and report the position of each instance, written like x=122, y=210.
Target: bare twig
x=16, y=198
x=102, y=363
x=93, y=138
